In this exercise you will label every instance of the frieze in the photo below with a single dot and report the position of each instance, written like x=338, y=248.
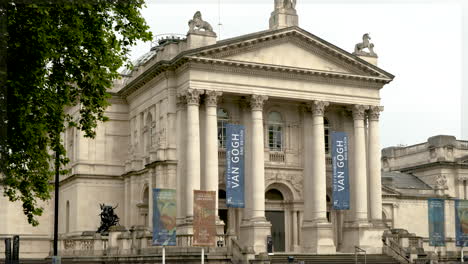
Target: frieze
x=257, y=101
x=441, y=181
x=211, y=98
x=296, y=74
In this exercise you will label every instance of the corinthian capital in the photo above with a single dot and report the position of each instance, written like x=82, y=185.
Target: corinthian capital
x=359, y=111
x=211, y=98
x=193, y=96
x=257, y=101
x=318, y=107
x=374, y=112
x=180, y=100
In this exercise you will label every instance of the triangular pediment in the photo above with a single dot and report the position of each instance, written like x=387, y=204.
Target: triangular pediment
x=289, y=53
x=290, y=47
x=389, y=191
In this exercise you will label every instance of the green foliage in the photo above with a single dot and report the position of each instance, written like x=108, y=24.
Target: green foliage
x=59, y=55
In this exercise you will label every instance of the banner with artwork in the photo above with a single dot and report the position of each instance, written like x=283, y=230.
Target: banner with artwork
x=204, y=218
x=340, y=177
x=235, y=135
x=164, y=217
x=461, y=222
x=436, y=213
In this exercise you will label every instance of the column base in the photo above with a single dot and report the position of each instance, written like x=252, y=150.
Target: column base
x=364, y=235
x=185, y=233
x=317, y=237
x=253, y=235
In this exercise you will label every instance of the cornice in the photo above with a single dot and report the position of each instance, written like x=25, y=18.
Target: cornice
x=90, y=177
x=285, y=71
x=450, y=164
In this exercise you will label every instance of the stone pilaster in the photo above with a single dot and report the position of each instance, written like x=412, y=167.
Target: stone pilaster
x=318, y=235
x=255, y=230
x=375, y=184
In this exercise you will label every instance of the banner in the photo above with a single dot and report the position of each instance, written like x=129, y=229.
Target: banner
x=204, y=218
x=164, y=217
x=436, y=212
x=235, y=135
x=340, y=176
x=461, y=222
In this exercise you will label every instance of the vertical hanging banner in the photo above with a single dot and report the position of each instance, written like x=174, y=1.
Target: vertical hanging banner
x=204, y=218
x=340, y=171
x=235, y=135
x=164, y=217
x=436, y=213
x=461, y=222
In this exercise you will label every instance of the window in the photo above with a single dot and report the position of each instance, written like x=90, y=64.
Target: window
x=275, y=131
x=223, y=118
x=274, y=195
x=326, y=126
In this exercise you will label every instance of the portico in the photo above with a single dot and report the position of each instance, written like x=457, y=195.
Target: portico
x=308, y=227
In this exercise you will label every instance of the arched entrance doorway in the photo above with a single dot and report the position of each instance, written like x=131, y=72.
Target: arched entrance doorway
x=274, y=213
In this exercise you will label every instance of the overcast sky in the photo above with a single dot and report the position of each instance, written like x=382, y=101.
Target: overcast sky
x=418, y=41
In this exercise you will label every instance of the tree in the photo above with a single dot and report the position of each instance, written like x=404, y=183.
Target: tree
x=58, y=55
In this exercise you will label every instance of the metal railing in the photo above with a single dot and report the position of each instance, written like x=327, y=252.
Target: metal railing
x=359, y=250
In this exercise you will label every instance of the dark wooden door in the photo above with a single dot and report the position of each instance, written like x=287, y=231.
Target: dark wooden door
x=276, y=219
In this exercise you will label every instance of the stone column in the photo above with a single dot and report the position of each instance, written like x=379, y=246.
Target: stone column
x=318, y=235
x=192, y=179
x=181, y=147
x=359, y=184
x=375, y=184
x=257, y=181
x=255, y=230
x=210, y=179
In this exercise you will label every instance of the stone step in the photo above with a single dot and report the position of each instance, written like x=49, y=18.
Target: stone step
x=336, y=259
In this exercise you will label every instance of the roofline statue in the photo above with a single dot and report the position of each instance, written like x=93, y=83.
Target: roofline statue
x=197, y=24
x=359, y=48
x=285, y=4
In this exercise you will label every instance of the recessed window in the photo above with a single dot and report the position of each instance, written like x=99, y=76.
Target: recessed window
x=274, y=195
x=275, y=131
x=223, y=119
x=326, y=126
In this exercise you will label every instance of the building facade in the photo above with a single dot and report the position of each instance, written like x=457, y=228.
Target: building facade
x=437, y=168
x=166, y=129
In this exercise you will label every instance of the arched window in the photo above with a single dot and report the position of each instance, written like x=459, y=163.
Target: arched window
x=275, y=131
x=326, y=126
x=223, y=119
x=274, y=195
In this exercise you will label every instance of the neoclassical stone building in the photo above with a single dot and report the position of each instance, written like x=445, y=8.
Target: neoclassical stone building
x=288, y=87
x=437, y=168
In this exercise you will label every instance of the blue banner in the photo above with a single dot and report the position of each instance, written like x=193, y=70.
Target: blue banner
x=235, y=135
x=164, y=217
x=436, y=213
x=461, y=222
x=340, y=176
